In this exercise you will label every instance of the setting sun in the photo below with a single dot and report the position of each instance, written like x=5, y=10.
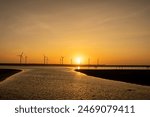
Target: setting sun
x=72, y=31
x=78, y=60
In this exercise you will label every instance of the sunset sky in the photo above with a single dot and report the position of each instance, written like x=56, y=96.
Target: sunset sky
x=115, y=31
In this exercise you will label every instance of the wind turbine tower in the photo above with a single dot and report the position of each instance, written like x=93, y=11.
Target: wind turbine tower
x=44, y=59
x=98, y=61
x=20, y=57
x=89, y=61
x=62, y=60
x=71, y=61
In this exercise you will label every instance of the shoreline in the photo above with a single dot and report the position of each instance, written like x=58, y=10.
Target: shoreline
x=65, y=83
x=75, y=65
x=5, y=73
x=134, y=76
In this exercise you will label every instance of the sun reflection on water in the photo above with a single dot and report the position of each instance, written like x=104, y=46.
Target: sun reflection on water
x=78, y=67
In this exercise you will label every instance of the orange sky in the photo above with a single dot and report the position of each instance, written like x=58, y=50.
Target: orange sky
x=115, y=31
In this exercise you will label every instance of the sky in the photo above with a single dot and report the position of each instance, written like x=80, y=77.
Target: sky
x=113, y=31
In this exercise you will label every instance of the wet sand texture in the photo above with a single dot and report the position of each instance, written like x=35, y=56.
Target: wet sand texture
x=61, y=83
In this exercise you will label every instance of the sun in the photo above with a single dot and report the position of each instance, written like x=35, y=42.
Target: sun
x=78, y=60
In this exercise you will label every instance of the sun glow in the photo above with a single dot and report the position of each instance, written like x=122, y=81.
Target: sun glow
x=78, y=60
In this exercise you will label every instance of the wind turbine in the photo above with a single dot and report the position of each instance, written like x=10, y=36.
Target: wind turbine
x=62, y=59
x=98, y=61
x=44, y=59
x=20, y=57
x=89, y=61
x=71, y=61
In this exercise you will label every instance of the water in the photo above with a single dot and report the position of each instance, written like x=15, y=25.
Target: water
x=140, y=68
x=38, y=82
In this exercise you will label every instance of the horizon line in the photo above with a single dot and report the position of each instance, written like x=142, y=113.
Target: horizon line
x=76, y=65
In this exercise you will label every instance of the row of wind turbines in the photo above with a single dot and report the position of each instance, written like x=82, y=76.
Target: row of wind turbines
x=22, y=56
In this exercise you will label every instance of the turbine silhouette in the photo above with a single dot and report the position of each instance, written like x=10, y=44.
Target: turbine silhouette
x=89, y=61
x=20, y=57
x=45, y=59
x=61, y=60
x=71, y=61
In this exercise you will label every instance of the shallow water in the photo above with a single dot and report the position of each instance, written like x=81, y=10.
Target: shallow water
x=140, y=68
x=37, y=82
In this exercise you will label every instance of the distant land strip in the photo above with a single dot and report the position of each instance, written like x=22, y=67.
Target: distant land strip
x=4, y=73
x=72, y=65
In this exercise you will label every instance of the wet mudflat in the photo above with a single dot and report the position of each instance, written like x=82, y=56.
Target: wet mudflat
x=66, y=84
x=136, y=76
x=4, y=73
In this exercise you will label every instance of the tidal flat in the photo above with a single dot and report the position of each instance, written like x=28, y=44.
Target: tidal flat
x=64, y=83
